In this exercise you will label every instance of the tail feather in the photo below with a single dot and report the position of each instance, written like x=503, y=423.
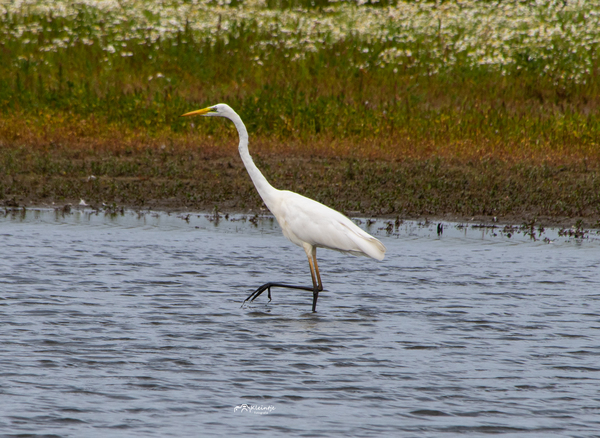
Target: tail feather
x=367, y=244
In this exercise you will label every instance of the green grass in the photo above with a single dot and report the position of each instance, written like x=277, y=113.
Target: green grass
x=517, y=115
x=100, y=91
x=515, y=107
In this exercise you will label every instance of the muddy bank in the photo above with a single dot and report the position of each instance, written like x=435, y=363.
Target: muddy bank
x=437, y=189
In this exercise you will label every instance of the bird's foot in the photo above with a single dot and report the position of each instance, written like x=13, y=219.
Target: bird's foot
x=267, y=286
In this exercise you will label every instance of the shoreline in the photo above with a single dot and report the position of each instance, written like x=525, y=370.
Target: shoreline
x=489, y=191
x=574, y=226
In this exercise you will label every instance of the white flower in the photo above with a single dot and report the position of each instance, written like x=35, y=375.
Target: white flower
x=559, y=34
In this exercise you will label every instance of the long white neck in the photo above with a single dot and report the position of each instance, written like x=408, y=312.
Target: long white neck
x=265, y=190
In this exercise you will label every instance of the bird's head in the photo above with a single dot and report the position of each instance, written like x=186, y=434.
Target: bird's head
x=219, y=110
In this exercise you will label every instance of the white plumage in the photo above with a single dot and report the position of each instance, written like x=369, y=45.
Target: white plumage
x=305, y=222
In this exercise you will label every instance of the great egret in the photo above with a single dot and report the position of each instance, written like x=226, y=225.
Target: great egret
x=305, y=222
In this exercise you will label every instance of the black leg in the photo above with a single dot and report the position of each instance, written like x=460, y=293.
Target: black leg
x=311, y=253
x=267, y=286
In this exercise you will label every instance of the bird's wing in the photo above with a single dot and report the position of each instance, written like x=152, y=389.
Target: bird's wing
x=305, y=220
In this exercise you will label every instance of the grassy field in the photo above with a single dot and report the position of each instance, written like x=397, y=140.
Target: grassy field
x=453, y=109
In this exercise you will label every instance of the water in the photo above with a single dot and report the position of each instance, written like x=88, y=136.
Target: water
x=131, y=326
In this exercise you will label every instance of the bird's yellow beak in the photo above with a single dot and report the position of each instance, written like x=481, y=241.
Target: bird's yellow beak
x=198, y=112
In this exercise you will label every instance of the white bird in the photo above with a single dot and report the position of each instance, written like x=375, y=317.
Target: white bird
x=307, y=223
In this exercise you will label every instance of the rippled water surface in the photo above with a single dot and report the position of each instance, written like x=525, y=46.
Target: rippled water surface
x=131, y=325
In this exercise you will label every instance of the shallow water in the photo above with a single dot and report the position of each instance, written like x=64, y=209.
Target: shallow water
x=130, y=325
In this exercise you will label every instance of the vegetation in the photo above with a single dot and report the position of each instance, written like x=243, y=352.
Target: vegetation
x=391, y=108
